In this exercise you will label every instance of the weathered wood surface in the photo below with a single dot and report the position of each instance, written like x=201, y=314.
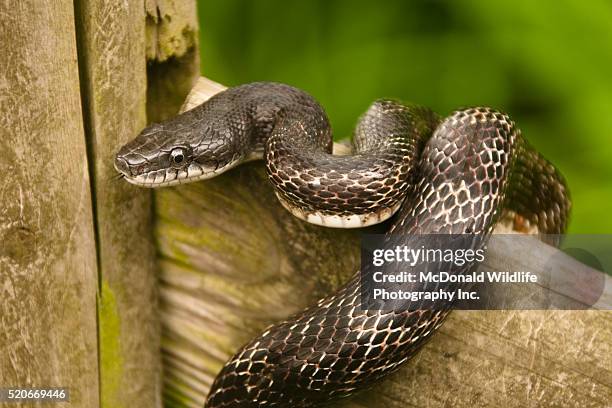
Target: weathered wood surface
x=172, y=52
x=112, y=56
x=48, y=273
x=233, y=261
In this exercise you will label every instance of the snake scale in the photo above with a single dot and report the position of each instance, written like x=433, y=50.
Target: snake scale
x=457, y=175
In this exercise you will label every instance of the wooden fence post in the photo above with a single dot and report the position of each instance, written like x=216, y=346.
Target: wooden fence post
x=48, y=272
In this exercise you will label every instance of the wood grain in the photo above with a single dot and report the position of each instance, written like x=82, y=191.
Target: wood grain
x=48, y=273
x=172, y=54
x=234, y=261
x=112, y=43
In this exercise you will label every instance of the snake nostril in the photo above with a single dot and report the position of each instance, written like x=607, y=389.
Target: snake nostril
x=122, y=166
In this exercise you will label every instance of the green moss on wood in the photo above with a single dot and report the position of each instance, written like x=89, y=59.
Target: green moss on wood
x=111, y=358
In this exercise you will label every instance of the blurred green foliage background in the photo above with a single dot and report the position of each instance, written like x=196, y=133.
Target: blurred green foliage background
x=547, y=63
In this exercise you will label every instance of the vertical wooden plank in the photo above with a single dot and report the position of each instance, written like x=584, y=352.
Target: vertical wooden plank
x=111, y=40
x=48, y=276
x=172, y=52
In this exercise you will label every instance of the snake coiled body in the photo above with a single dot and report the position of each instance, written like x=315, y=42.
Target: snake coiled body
x=455, y=176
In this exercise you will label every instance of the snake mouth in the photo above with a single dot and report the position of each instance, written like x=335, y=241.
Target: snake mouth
x=169, y=176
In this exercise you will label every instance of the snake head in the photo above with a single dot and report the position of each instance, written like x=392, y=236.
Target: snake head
x=173, y=153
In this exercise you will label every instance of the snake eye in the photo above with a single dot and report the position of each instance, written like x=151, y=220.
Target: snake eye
x=177, y=155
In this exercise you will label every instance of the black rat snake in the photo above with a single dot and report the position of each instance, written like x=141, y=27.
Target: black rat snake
x=455, y=176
